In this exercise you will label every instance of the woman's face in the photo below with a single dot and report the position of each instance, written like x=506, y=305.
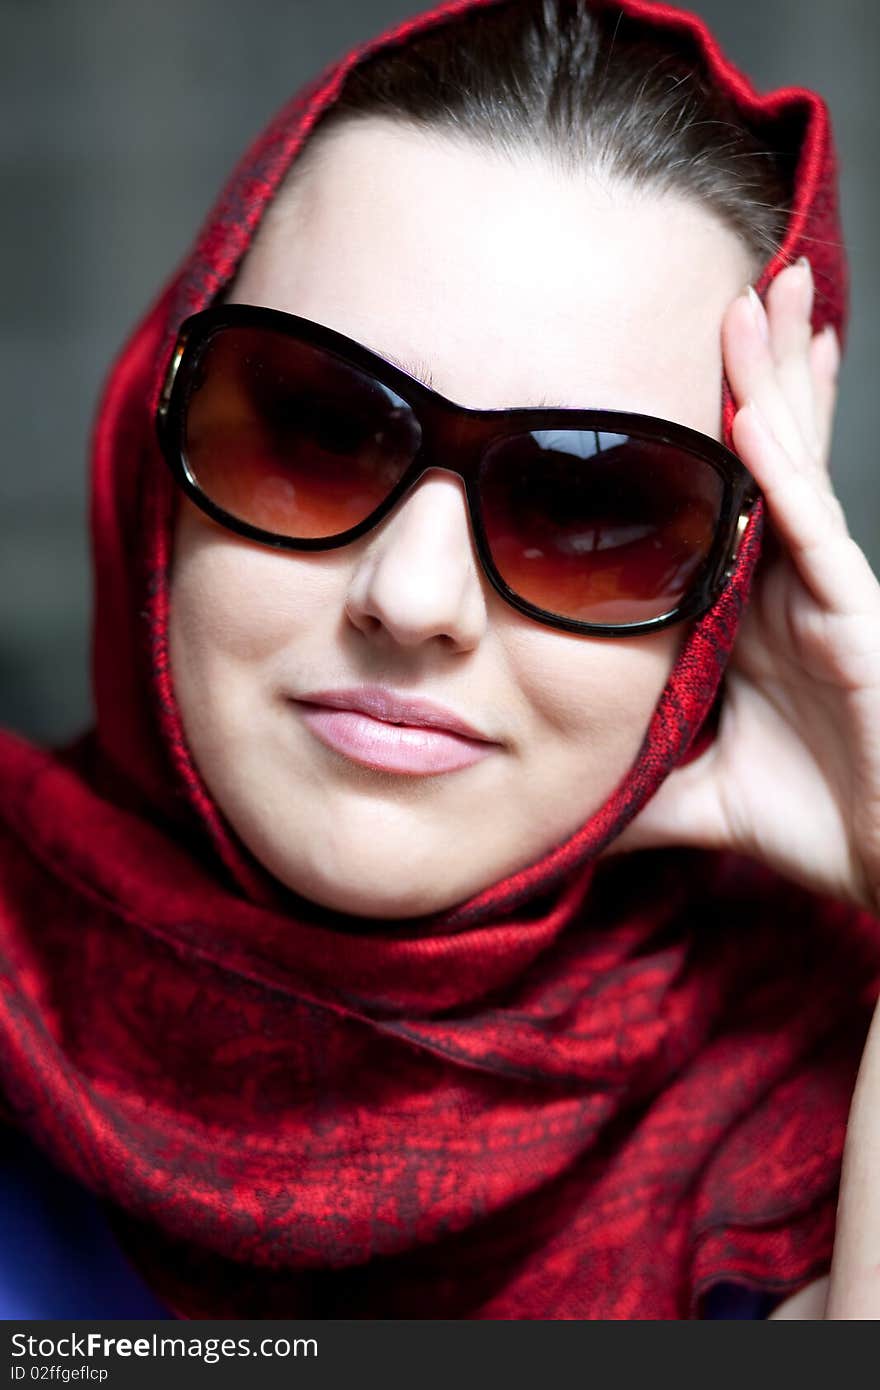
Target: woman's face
x=514, y=285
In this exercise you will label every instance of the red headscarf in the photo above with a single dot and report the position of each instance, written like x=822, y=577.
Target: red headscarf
x=593, y=1090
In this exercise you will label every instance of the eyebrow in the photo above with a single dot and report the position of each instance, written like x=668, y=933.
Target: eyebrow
x=418, y=368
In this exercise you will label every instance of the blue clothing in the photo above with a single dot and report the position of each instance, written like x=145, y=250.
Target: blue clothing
x=737, y=1301
x=58, y=1255
x=60, y=1259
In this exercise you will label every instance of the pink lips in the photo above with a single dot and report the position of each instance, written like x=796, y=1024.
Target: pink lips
x=393, y=733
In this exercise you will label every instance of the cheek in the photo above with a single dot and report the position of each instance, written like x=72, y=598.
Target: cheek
x=596, y=694
x=237, y=609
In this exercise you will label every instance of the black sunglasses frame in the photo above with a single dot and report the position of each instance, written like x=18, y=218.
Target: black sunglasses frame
x=454, y=438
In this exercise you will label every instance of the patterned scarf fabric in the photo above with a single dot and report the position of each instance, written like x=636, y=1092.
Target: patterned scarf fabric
x=593, y=1090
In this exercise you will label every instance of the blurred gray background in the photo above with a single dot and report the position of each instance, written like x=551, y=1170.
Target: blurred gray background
x=120, y=120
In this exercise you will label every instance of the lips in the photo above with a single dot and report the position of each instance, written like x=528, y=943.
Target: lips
x=387, y=705
x=379, y=728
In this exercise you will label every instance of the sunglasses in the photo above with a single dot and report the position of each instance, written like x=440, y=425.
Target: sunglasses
x=593, y=521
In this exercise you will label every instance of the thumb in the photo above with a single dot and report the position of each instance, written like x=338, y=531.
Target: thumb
x=685, y=810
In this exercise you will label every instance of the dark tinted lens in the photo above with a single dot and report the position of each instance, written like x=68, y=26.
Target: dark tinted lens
x=290, y=438
x=603, y=528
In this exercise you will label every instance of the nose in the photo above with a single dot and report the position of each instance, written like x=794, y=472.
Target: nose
x=419, y=578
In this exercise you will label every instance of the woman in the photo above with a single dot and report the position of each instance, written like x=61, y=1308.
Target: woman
x=420, y=933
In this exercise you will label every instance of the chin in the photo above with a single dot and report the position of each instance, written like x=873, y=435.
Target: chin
x=387, y=902
x=365, y=860
x=383, y=898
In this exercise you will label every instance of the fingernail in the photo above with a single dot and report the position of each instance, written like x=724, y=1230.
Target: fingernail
x=759, y=313
x=804, y=264
x=752, y=405
x=759, y=417
x=829, y=334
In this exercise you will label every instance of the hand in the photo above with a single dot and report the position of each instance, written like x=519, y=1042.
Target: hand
x=793, y=776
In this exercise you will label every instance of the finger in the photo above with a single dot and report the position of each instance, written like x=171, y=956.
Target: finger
x=789, y=305
x=752, y=372
x=686, y=810
x=809, y=518
x=825, y=367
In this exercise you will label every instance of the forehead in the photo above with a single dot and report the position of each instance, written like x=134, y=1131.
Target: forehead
x=508, y=281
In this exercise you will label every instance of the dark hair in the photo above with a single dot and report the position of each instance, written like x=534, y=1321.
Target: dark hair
x=584, y=88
